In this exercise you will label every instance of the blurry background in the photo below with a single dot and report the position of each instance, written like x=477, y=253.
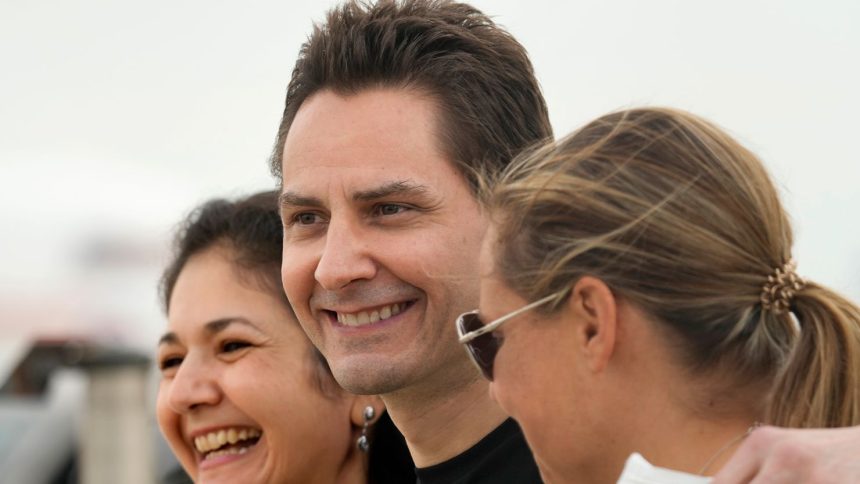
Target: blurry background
x=117, y=117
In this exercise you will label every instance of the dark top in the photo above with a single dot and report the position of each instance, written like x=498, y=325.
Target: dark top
x=500, y=457
x=389, y=461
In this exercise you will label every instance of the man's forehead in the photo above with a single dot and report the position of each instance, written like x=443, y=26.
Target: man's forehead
x=369, y=177
x=365, y=146
x=367, y=127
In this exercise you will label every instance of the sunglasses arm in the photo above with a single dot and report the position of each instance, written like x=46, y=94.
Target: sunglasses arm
x=495, y=324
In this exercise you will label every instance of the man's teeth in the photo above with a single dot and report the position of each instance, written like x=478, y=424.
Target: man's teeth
x=370, y=317
x=215, y=440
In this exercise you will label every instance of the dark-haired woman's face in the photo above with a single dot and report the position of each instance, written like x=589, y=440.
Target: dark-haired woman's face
x=238, y=400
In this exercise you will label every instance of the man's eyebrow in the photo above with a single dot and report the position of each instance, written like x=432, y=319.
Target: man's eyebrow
x=292, y=199
x=400, y=187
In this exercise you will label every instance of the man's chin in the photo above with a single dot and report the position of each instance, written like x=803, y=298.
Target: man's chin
x=364, y=377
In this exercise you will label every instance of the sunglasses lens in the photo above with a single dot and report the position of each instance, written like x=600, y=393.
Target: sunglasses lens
x=483, y=348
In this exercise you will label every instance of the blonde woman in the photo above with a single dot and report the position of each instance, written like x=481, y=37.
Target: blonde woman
x=639, y=277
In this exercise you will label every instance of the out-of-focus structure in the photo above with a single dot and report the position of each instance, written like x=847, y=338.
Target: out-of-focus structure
x=73, y=411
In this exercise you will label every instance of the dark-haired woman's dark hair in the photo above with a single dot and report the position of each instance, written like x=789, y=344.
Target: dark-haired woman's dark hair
x=251, y=228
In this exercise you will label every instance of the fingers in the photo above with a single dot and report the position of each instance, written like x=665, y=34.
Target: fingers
x=744, y=465
x=772, y=455
x=786, y=461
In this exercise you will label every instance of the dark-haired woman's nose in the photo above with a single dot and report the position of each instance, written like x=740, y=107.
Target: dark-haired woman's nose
x=193, y=385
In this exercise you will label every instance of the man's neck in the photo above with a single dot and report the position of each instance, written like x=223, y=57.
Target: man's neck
x=441, y=423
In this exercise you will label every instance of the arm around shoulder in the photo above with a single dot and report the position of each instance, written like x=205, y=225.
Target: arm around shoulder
x=775, y=455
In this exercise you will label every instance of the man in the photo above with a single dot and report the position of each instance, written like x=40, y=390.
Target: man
x=394, y=115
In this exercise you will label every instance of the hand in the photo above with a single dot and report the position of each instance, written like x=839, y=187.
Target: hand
x=772, y=455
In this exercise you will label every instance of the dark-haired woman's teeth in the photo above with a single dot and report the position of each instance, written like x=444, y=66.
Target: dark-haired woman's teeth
x=370, y=317
x=215, y=440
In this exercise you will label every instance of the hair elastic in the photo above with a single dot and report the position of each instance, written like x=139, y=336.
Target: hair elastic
x=780, y=288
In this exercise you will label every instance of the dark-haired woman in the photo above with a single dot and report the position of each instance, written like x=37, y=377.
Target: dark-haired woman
x=244, y=396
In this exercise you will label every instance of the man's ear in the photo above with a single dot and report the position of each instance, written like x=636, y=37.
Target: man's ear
x=595, y=311
x=360, y=403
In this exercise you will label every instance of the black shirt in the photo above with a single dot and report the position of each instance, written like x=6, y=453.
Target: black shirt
x=500, y=457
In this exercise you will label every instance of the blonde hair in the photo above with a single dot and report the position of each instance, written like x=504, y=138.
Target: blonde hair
x=678, y=218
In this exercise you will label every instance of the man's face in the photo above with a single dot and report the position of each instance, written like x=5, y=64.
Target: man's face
x=381, y=240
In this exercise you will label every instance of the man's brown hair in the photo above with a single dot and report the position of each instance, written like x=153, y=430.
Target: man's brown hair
x=478, y=74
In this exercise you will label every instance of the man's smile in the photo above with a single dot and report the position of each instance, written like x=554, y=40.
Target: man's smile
x=370, y=316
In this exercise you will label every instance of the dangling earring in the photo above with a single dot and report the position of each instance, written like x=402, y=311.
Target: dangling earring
x=363, y=443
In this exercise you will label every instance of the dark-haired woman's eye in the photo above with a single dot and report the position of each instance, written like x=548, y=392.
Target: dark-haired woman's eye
x=170, y=362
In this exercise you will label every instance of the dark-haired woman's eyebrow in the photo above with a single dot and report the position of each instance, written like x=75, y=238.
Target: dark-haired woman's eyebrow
x=168, y=338
x=218, y=325
x=212, y=328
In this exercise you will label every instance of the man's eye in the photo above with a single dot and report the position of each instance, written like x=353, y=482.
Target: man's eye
x=231, y=346
x=389, y=209
x=306, y=218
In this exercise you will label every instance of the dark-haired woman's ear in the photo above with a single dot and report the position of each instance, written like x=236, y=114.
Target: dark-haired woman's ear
x=359, y=412
x=594, y=311
x=365, y=411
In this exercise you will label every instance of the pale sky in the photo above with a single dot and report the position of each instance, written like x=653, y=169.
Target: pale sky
x=117, y=117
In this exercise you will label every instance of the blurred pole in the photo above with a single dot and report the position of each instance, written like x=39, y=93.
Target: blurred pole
x=115, y=444
x=46, y=436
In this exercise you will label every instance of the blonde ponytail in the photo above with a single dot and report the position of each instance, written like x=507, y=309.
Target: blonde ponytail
x=820, y=384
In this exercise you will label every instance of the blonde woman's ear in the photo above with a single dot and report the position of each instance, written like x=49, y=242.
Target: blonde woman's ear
x=596, y=313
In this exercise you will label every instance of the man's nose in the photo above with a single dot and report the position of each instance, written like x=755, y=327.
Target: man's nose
x=346, y=257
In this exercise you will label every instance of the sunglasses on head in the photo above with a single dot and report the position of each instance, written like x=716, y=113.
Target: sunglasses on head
x=480, y=341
